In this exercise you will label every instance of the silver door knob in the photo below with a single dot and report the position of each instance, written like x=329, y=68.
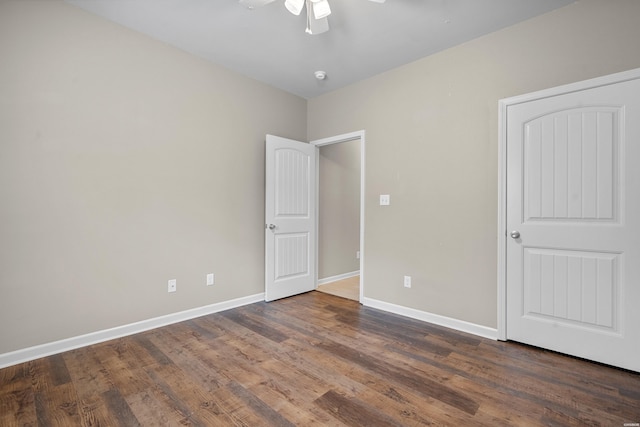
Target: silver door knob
x=272, y=226
x=515, y=234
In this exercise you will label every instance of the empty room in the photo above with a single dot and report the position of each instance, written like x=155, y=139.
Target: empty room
x=182, y=182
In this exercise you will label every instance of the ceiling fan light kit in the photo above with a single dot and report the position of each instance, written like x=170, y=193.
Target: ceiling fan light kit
x=294, y=6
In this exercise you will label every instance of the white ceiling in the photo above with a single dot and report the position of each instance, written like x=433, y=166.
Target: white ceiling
x=269, y=44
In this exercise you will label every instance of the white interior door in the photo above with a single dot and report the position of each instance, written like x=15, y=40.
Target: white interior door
x=573, y=223
x=290, y=216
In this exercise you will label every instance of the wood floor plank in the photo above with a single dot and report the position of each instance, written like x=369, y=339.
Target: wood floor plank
x=40, y=375
x=42, y=414
x=58, y=369
x=94, y=412
x=268, y=415
x=353, y=412
x=17, y=407
x=238, y=317
x=87, y=380
x=201, y=331
x=120, y=408
x=195, y=357
x=124, y=376
x=151, y=409
x=291, y=404
x=158, y=356
x=183, y=397
x=59, y=406
x=314, y=359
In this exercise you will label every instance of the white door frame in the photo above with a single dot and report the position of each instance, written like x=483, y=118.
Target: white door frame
x=346, y=137
x=502, y=172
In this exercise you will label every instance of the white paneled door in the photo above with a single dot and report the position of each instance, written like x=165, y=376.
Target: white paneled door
x=573, y=223
x=290, y=216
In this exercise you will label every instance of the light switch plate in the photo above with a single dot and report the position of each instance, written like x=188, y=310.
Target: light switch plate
x=385, y=200
x=407, y=281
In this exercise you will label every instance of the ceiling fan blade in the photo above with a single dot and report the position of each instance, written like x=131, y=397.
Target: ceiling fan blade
x=250, y=4
x=321, y=9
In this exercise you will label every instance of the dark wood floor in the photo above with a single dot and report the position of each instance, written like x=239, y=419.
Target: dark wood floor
x=314, y=359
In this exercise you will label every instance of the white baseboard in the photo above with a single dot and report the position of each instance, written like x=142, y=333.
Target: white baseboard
x=338, y=277
x=43, y=350
x=458, y=325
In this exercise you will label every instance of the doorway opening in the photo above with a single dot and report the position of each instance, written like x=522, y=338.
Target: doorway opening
x=340, y=215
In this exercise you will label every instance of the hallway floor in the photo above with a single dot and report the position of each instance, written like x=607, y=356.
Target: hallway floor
x=347, y=288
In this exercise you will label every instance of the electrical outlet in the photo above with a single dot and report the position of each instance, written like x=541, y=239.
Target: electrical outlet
x=210, y=279
x=172, y=285
x=385, y=200
x=357, y=254
x=407, y=281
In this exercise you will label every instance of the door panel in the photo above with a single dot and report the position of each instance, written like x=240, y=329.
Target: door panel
x=573, y=194
x=571, y=165
x=291, y=255
x=290, y=217
x=572, y=286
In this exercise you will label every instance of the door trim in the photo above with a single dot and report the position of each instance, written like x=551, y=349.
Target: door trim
x=503, y=105
x=345, y=137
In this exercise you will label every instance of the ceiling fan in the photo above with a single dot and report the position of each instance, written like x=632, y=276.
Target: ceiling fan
x=317, y=11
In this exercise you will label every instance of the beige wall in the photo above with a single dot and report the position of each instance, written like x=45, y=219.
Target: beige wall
x=432, y=145
x=339, y=209
x=123, y=163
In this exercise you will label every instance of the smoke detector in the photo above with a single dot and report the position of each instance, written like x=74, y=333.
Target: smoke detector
x=320, y=75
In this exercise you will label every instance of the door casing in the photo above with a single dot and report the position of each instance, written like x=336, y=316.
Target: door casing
x=336, y=140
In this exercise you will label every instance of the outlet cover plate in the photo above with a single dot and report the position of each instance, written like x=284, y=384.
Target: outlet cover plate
x=172, y=285
x=210, y=279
